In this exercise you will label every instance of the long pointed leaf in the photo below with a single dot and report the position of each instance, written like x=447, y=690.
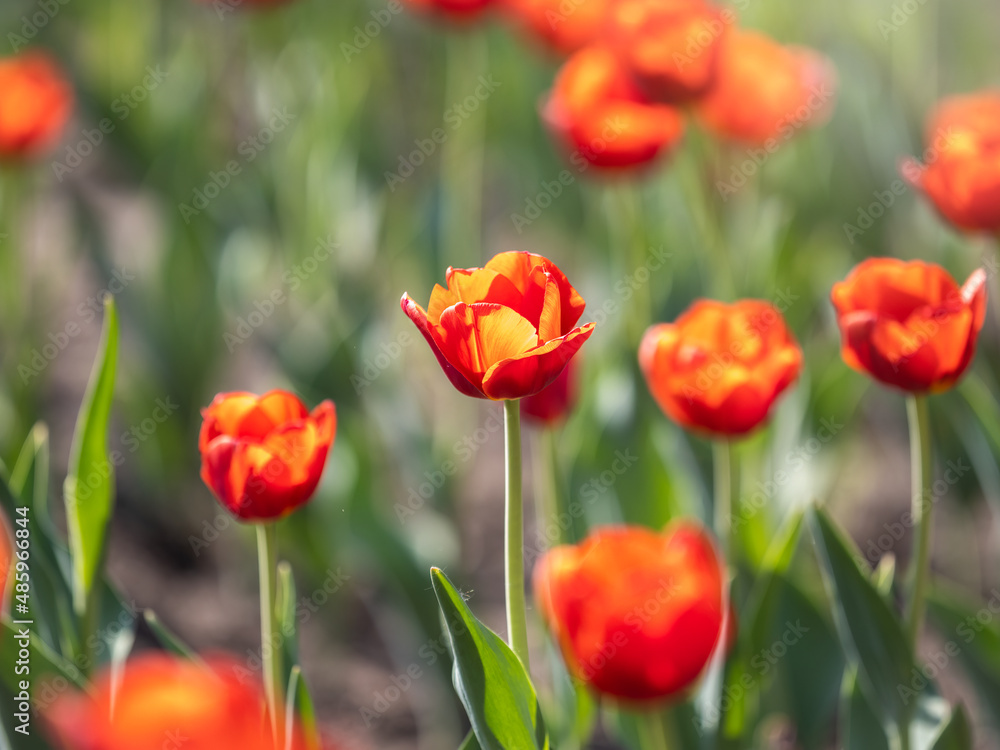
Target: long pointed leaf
x=89, y=488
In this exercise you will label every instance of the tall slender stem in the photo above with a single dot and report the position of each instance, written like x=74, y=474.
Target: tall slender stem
x=920, y=472
x=726, y=493
x=517, y=625
x=653, y=735
x=270, y=634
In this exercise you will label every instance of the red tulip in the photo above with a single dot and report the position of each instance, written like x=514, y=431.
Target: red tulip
x=720, y=368
x=564, y=26
x=504, y=331
x=671, y=47
x=597, y=111
x=456, y=10
x=637, y=613
x=765, y=93
x=35, y=104
x=552, y=404
x=166, y=702
x=909, y=325
x=6, y=561
x=263, y=456
x=962, y=171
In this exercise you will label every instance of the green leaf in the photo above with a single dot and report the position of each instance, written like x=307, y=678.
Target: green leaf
x=869, y=631
x=46, y=664
x=89, y=489
x=470, y=742
x=51, y=605
x=956, y=734
x=299, y=709
x=490, y=680
x=974, y=645
x=166, y=637
x=885, y=575
x=284, y=605
x=860, y=724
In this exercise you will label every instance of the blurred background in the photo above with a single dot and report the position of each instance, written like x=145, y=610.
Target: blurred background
x=267, y=183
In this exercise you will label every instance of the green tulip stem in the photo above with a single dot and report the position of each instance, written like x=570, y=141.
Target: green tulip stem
x=920, y=472
x=517, y=619
x=270, y=633
x=725, y=488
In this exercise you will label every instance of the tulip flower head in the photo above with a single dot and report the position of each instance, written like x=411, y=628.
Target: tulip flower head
x=35, y=104
x=504, y=331
x=670, y=47
x=263, y=456
x=600, y=115
x=909, y=325
x=720, y=368
x=636, y=613
x=550, y=405
x=962, y=172
x=564, y=27
x=455, y=10
x=764, y=92
x=6, y=560
x=163, y=700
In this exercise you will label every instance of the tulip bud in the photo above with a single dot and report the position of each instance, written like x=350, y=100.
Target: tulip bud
x=263, y=456
x=720, y=367
x=961, y=169
x=638, y=614
x=504, y=331
x=35, y=104
x=909, y=325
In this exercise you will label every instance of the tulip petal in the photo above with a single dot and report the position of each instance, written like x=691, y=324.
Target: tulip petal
x=419, y=318
x=483, y=285
x=518, y=267
x=529, y=372
x=477, y=336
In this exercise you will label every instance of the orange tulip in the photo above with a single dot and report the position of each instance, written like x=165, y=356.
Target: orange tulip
x=909, y=325
x=720, y=367
x=961, y=174
x=764, y=92
x=6, y=560
x=35, y=104
x=553, y=403
x=504, y=331
x=563, y=26
x=263, y=456
x=671, y=47
x=162, y=702
x=596, y=110
x=456, y=10
x=637, y=613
